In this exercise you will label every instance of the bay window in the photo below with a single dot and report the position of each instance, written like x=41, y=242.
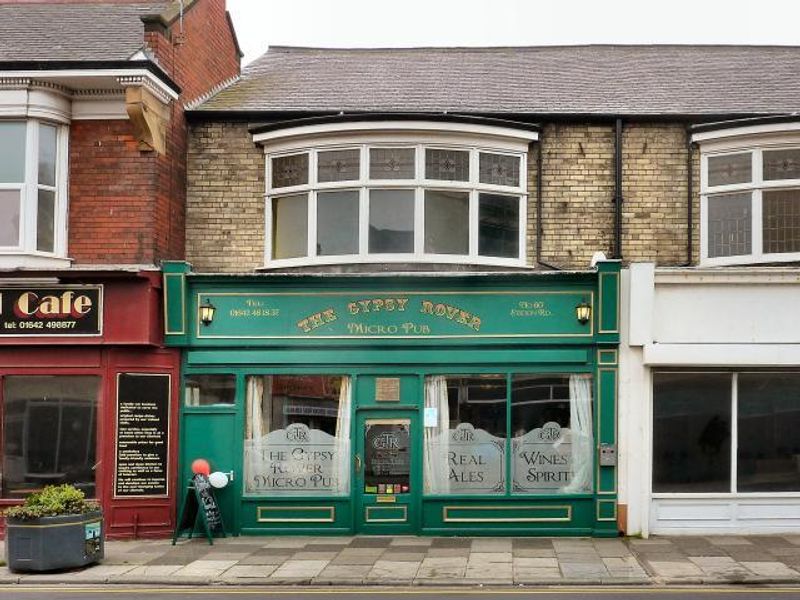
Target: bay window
x=32, y=188
x=395, y=197
x=750, y=200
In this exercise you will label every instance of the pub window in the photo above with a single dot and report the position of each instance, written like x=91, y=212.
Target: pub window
x=49, y=433
x=297, y=437
x=550, y=444
x=210, y=390
x=373, y=202
x=750, y=208
x=702, y=420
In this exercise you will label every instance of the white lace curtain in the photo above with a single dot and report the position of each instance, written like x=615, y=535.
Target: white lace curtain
x=580, y=409
x=342, y=459
x=435, y=473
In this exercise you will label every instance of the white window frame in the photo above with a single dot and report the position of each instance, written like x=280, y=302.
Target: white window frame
x=753, y=140
x=419, y=136
x=29, y=188
x=733, y=491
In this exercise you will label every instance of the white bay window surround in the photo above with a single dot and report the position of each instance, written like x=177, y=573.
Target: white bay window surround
x=395, y=192
x=750, y=195
x=32, y=190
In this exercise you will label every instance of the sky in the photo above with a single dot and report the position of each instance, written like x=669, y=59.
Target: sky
x=408, y=23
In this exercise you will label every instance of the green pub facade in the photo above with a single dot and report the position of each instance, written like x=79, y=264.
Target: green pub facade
x=422, y=404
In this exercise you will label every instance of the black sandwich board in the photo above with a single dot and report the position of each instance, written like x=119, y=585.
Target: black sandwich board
x=200, y=511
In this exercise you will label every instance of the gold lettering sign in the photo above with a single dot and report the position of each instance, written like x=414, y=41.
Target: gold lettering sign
x=387, y=389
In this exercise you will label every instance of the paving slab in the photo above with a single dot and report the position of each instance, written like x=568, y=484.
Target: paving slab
x=394, y=570
x=442, y=568
x=683, y=568
x=205, y=568
x=770, y=569
x=248, y=573
x=299, y=569
x=343, y=574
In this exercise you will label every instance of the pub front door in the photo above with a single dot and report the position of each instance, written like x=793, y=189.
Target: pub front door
x=387, y=467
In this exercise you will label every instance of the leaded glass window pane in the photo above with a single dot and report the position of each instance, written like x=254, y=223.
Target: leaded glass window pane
x=729, y=224
x=391, y=221
x=290, y=170
x=338, y=165
x=781, y=164
x=47, y=154
x=499, y=169
x=730, y=169
x=446, y=222
x=781, y=220
x=391, y=163
x=290, y=226
x=447, y=165
x=45, y=217
x=498, y=226
x=12, y=150
x=337, y=223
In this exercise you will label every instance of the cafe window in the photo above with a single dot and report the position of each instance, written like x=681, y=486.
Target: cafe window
x=726, y=432
x=210, y=390
x=750, y=201
x=49, y=433
x=388, y=197
x=466, y=440
x=297, y=437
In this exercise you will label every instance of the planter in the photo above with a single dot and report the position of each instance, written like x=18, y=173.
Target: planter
x=51, y=543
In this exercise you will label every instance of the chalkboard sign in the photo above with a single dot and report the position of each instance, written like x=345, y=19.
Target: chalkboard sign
x=200, y=511
x=142, y=435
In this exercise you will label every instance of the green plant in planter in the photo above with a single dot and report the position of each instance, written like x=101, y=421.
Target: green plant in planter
x=52, y=501
x=56, y=528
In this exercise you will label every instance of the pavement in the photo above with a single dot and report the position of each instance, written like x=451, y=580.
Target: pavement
x=440, y=561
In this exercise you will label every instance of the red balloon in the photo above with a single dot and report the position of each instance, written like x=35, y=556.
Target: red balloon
x=201, y=467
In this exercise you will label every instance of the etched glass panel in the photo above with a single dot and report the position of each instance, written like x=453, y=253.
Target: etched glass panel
x=290, y=170
x=337, y=223
x=297, y=436
x=499, y=169
x=465, y=434
x=446, y=222
x=387, y=456
x=47, y=154
x=768, y=422
x=692, y=432
x=391, y=163
x=391, y=221
x=781, y=220
x=290, y=226
x=551, y=417
x=12, y=151
x=338, y=165
x=781, y=164
x=447, y=165
x=498, y=226
x=45, y=221
x=9, y=217
x=729, y=224
x=730, y=169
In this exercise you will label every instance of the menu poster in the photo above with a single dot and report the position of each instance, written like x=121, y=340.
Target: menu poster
x=142, y=435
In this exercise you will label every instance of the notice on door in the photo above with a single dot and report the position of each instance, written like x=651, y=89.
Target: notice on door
x=142, y=435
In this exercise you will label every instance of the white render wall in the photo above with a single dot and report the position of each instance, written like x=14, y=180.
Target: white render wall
x=705, y=318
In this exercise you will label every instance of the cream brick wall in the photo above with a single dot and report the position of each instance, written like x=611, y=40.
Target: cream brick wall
x=225, y=200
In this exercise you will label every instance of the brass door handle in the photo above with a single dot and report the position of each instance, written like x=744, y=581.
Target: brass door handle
x=358, y=463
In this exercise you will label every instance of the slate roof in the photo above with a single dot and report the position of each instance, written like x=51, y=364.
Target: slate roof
x=545, y=80
x=73, y=32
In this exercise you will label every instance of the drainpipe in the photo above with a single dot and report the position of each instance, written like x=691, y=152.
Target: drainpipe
x=689, y=196
x=618, y=190
x=539, y=209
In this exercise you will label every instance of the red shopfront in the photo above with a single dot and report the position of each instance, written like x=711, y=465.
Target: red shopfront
x=88, y=394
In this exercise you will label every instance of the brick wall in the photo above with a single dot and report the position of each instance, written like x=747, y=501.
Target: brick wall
x=127, y=205
x=225, y=199
x=225, y=220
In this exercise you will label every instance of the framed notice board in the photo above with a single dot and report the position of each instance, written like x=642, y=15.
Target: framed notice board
x=142, y=440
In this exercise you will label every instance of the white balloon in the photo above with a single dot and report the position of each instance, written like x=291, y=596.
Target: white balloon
x=218, y=479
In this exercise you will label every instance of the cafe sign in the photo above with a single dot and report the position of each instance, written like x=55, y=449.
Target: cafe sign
x=68, y=310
